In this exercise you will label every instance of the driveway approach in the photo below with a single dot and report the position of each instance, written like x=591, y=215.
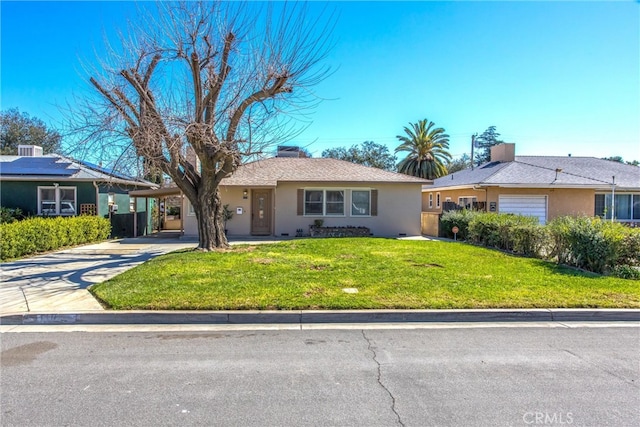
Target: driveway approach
x=58, y=281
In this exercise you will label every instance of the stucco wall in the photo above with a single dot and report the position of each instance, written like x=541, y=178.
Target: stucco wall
x=453, y=194
x=399, y=210
x=560, y=201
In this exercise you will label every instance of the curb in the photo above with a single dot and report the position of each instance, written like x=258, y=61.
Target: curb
x=311, y=317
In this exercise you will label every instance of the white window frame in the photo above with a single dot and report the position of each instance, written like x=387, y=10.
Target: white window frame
x=57, y=189
x=474, y=199
x=607, y=206
x=324, y=202
x=430, y=200
x=362, y=190
x=437, y=200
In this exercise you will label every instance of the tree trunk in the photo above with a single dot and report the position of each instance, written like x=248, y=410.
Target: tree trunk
x=208, y=212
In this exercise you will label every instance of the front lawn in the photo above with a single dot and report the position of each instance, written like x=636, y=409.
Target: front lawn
x=387, y=273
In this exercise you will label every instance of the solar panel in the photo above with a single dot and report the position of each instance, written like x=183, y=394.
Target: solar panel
x=105, y=171
x=47, y=166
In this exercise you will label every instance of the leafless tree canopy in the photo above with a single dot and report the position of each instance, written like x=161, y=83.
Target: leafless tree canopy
x=220, y=80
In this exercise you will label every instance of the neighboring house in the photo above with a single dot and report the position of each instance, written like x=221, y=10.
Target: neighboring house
x=280, y=196
x=545, y=187
x=52, y=185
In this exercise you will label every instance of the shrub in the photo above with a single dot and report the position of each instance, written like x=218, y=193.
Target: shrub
x=507, y=231
x=35, y=235
x=458, y=219
x=529, y=239
x=8, y=215
x=594, y=244
x=626, y=272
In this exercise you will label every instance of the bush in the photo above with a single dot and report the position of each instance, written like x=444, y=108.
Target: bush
x=458, y=219
x=594, y=244
x=35, y=235
x=626, y=272
x=509, y=232
x=8, y=215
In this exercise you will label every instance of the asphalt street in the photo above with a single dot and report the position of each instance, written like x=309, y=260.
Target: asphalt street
x=493, y=376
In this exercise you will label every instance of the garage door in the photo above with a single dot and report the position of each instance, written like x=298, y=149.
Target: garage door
x=525, y=205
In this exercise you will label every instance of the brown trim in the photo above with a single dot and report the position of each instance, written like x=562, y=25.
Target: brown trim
x=374, y=202
x=300, y=201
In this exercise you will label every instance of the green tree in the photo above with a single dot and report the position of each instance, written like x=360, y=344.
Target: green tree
x=459, y=164
x=20, y=129
x=484, y=142
x=427, y=148
x=368, y=153
x=619, y=159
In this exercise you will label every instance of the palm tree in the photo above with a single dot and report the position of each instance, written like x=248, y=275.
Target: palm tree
x=427, y=146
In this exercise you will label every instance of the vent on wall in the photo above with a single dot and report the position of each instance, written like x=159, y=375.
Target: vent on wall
x=29, y=151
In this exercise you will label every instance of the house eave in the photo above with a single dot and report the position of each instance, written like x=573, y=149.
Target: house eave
x=39, y=178
x=533, y=186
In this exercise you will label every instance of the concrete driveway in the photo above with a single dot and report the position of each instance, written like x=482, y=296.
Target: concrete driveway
x=58, y=281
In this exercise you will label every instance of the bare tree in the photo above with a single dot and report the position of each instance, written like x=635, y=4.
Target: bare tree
x=218, y=80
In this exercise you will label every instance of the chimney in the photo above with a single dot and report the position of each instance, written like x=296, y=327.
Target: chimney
x=289, y=151
x=505, y=152
x=29, y=151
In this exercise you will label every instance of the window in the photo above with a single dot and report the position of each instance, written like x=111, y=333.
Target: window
x=360, y=203
x=335, y=202
x=324, y=202
x=313, y=202
x=437, y=200
x=430, y=200
x=626, y=206
x=467, y=202
x=56, y=200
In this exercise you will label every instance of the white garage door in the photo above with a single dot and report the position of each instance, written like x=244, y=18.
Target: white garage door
x=525, y=205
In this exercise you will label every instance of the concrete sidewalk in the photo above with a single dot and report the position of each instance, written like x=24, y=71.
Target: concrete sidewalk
x=58, y=281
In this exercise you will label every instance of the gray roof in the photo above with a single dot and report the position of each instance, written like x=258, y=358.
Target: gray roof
x=55, y=167
x=269, y=172
x=546, y=171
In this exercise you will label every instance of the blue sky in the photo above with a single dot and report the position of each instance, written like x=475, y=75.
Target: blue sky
x=553, y=77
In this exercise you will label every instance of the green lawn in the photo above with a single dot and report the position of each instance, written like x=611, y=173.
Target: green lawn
x=388, y=273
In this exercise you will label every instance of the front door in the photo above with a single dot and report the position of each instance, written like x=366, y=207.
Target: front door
x=261, y=212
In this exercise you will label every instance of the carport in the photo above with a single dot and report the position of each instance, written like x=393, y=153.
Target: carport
x=158, y=194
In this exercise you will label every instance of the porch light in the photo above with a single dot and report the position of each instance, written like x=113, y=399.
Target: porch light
x=245, y=193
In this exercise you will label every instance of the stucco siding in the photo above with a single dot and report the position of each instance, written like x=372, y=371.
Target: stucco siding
x=398, y=209
x=560, y=201
x=453, y=195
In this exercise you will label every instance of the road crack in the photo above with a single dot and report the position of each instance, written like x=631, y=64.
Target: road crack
x=374, y=357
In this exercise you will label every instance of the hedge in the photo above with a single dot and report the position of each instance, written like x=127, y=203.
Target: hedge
x=594, y=244
x=35, y=235
x=460, y=219
x=515, y=233
x=588, y=243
